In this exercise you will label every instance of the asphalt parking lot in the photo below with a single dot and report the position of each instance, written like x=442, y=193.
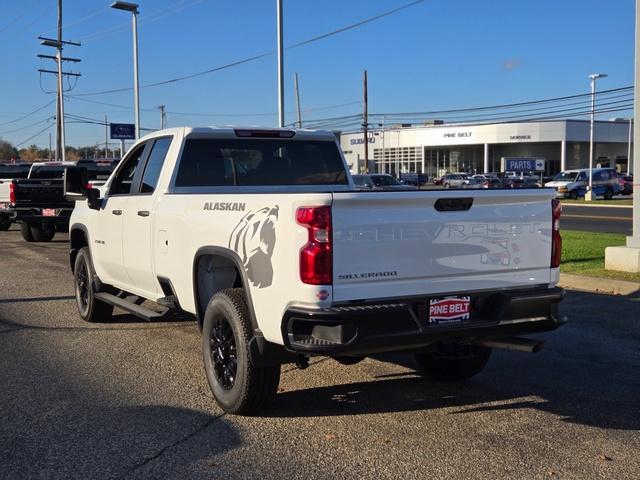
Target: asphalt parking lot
x=129, y=399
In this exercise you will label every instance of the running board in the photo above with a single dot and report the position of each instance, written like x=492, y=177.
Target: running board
x=130, y=307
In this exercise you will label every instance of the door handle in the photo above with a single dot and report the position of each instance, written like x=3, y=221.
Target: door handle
x=143, y=213
x=116, y=212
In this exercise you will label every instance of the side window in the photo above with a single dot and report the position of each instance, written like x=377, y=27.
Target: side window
x=123, y=181
x=582, y=177
x=154, y=164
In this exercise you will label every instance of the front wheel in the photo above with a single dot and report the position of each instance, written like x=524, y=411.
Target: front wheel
x=90, y=308
x=446, y=185
x=573, y=194
x=237, y=383
x=453, y=362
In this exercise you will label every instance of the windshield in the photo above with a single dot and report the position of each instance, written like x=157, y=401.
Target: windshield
x=565, y=177
x=218, y=162
x=46, y=172
x=384, y=180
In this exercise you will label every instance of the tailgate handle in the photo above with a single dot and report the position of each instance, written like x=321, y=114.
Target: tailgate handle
x=453, y=204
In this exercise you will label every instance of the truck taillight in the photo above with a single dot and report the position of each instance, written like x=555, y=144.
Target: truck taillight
x=12, y=193
x=316, y=256
x=556, y=240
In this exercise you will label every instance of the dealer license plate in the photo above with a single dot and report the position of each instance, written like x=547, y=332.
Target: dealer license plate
x=48, y=212
x=449, y=310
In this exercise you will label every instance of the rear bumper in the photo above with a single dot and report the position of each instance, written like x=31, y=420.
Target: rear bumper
x=28, y=215
x=367, y=328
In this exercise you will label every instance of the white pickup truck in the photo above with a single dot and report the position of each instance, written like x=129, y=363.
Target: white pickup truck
x=261, y=235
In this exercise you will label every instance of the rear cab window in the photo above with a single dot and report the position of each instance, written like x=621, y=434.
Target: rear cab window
x=212, y=162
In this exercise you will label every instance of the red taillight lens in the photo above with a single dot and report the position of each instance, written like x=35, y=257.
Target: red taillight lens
x=316, y=256
x=12, y=192
x=556, y=240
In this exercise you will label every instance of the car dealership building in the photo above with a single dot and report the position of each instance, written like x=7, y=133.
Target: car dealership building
x=437, y=148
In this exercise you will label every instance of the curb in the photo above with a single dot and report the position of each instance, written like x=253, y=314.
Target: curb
x=598, y=284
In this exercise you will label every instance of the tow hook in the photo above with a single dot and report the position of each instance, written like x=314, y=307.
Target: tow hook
x=302, y=362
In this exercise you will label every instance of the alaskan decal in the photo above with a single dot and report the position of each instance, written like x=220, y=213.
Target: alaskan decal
x=224, y=206
x=254, y=239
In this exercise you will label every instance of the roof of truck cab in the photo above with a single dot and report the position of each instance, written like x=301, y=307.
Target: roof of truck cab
x=230, y=132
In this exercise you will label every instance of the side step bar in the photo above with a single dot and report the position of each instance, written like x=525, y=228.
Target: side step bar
x=130, y=307
x=519, y=344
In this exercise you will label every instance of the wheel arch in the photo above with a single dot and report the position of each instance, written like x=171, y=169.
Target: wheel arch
x=78, y=238
x=204, y=288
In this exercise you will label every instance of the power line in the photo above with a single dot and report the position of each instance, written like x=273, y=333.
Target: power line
x=33, y=136
x=507, y=105
x=29, y=114
x=27, y=126
x=259, y=56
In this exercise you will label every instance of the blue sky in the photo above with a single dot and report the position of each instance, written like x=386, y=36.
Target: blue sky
x=435, y=55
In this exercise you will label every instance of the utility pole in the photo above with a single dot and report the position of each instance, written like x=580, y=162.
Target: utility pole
x=365, y=126
x=295, y=82
x=49, y=156
x=58, y=44
x=163, y=117
x=280, y=66
x=106, y=137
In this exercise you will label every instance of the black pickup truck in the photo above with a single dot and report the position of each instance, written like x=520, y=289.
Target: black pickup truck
x=37, y=202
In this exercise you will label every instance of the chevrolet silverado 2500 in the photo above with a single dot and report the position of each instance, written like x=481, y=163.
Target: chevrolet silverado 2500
x=261, y=235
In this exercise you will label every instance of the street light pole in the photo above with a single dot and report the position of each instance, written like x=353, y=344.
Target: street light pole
x=133, y=8
x=280, y=67
x=629, y=146
x=594, y=76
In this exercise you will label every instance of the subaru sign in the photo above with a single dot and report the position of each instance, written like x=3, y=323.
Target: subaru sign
x=515, y=164
x=122, y=131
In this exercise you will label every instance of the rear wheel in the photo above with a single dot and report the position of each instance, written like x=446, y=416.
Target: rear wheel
x=43, y=232
x=5, y=223
x=452, y=362
x=25, y=230
x=90, y=308
x=237, y=383
x=608, y=194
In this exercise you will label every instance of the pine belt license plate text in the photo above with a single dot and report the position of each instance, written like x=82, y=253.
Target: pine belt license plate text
x=48, y=212
x=449, y=310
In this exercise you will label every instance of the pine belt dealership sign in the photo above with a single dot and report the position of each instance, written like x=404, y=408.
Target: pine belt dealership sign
x=122, y=131
x=524, y=164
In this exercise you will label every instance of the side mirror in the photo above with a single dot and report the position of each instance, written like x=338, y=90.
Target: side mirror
x=93, y=198
x=75, y=183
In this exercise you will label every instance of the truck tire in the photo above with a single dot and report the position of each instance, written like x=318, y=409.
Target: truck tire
x=5, y=223
x=90, y=309
x=43, y=232
x=573, y=194
x=452, y=362
x=25, y=230
x=608, y=193
x=237, y=383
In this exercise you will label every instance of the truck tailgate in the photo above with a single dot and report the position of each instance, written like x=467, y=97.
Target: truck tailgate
x=40, y=193
x=398, y=244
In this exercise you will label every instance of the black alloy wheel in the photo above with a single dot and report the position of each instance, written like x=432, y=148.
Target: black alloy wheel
x=224, y=355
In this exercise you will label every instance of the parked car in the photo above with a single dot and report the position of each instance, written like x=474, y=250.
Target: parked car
x=626, y=184
x=261, y=237
x=415, y=179
x=379, y=181
x=453, y=180
x=475, y=182
x=492, y=180
x=573, y=183
x=526, y=182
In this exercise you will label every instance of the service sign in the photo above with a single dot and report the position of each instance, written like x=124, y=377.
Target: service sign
x=122, y=131
x=526, y=164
